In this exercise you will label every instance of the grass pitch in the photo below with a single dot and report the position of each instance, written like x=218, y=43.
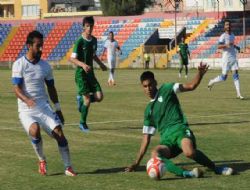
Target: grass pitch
x=220, y=123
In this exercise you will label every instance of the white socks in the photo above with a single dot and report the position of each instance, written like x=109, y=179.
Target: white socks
x=64, y=151
x=111, y=76
x=237, y=87
x=37, y=145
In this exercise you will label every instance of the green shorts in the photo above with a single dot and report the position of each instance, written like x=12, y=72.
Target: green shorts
x=173, y=140
x=184, y=61
x=86, y=83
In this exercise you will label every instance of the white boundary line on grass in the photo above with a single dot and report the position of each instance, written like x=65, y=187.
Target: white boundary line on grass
x=140, y=120
x=130, y=120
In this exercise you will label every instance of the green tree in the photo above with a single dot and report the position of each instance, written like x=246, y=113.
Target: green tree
x=124, y=7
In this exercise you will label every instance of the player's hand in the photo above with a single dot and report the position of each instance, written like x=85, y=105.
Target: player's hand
x=60, y=115
x=203, y=67
x=30, y=103
x=131, y=168
x=86, y=68
x=102, y=58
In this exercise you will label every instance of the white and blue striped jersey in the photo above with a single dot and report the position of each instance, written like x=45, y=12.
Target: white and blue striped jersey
x=32, y=78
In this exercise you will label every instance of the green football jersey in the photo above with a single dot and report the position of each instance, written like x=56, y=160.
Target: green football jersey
x=164, y=113
x=183, y=50
x=84, y=50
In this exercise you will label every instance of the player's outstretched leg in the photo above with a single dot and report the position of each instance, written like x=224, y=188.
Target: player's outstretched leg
x=186, y=71
x=217, y=79
x=64, y=150
x=164, y=153
x=37, y=144
x=237, y=84
x=202, y=159
x=171, y=167
x=83, y=103
x=180, y=70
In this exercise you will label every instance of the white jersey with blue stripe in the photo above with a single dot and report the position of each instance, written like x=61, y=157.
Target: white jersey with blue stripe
x=31, y=78
x=228, y=54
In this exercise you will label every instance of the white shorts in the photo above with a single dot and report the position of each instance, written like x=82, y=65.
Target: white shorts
x=111, y=63
x=45, y=117
x=229, y=66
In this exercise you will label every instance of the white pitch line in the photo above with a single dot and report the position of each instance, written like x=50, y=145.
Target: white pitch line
x=219, y=115
x=140, y=120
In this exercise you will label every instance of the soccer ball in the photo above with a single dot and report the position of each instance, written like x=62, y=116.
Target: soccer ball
x=155, y=168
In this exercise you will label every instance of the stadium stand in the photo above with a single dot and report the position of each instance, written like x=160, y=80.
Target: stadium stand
x=130, y=32
x=4, y=31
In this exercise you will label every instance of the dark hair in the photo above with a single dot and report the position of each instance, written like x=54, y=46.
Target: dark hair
x=147, y=75
x=88, y=19
x=227, y=21
x=111, y=32
x=32, y=35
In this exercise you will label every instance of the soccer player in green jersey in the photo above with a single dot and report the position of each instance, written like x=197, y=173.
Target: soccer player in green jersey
x=88, y=88
x=164, y=113
x=184, y=55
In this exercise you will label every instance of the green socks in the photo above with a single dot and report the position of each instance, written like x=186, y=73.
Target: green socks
x=203, y=160
x=171, y=167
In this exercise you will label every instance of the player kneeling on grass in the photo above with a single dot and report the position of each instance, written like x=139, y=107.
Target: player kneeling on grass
x=164, y=113
x=29, y=73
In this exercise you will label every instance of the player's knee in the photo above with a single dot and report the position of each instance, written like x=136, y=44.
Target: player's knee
x=86, y=100
x=189, y=153
x=161, y=151
x=34, y=130
x=99, y=97
x=155, y=152
x=236, y=76
x=223, y=77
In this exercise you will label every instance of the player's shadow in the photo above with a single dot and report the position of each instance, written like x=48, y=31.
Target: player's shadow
x=56, y=174
x=238, y=166
x=114, y=170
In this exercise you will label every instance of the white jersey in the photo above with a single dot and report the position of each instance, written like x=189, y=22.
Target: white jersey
x=228, y=54
x=111, y=49
x=32, y=79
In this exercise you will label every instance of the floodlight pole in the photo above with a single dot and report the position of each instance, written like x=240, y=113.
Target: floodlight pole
x=176, y=2
x=244, y=2
x=175, y=25
x=197, y=10
x=218, y=7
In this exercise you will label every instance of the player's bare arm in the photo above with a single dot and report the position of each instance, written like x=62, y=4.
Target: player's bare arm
x=143, y=149
x=119, y=49
x=202, y=69
x=100, y=63
x=223, y=46
x=76, y=62
x=54, y=98
x=19, y=94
